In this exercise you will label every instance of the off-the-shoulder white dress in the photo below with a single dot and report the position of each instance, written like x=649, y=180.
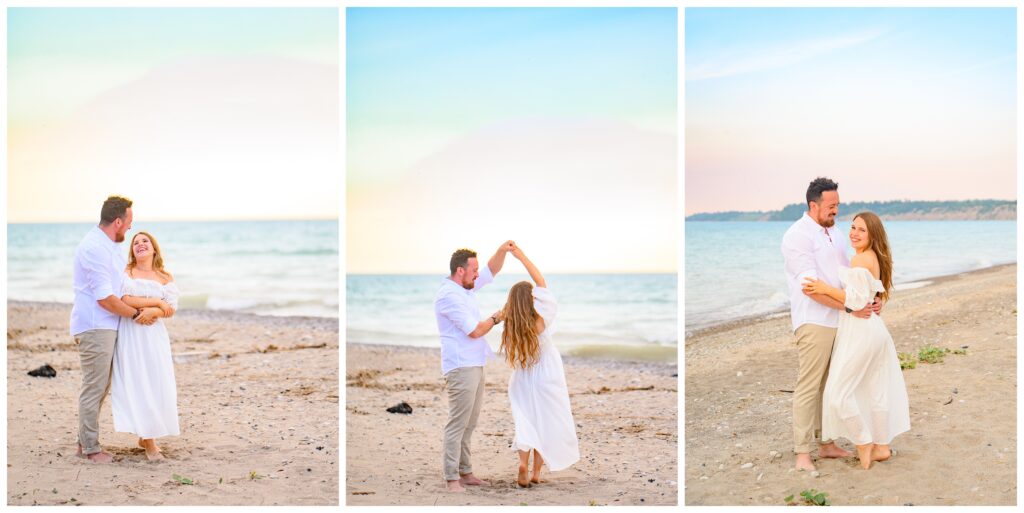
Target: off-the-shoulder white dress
x=865, y=398
x=144, y=397
x=540, y=398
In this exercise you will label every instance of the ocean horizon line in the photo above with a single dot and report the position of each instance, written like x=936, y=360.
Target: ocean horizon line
x=227, y=220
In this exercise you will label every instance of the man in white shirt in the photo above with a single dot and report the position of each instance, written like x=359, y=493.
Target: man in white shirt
x=464, y=351
x=813, y=248
x=96, y=313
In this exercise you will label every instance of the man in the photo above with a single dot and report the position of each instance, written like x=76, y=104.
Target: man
x=96, y=313
x=463, y=354
x=813, y=248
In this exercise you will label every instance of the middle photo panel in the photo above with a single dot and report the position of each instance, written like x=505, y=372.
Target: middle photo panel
x=511, y=296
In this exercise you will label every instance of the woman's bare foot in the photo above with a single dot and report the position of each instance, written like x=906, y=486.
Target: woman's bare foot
x=864, y=454
x=521, y=478
x=455, y=487
x=153, y=452
x=881, y=452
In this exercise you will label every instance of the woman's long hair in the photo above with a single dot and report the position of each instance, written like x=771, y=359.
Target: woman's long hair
x=158, y=257
x=519, y=340
x=879, y=243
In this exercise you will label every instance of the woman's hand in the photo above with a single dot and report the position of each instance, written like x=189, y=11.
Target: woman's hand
x=165, y=308
x=813, y=286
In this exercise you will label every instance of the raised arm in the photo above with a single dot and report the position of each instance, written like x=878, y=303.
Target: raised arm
x=497, y=261
x=535, y=274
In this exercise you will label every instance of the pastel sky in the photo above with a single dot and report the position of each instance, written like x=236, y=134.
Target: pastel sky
x=916, y=103
x=554, y=127
x=194, y=113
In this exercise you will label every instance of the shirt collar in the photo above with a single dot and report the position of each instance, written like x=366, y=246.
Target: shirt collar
x=813, y=223
x=100, y=233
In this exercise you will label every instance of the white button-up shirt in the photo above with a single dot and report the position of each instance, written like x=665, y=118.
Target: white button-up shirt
x=99, y=263
x=458, y=313
x=812, y=251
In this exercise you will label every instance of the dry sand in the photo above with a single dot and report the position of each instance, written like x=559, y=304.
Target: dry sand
x=962, y=446
x=258, y=426
x=626, y=422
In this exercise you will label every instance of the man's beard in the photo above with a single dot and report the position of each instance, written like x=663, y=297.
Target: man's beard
x=828, y=222
x=119, y=237
x=468, y=286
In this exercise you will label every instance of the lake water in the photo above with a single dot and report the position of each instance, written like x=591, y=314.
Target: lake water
x=260, y=267
x=629, y=316
x=735, y=269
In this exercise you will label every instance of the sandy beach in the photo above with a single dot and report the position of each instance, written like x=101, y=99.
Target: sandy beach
x=626, y=422
x=962, y=446
x=257, y=402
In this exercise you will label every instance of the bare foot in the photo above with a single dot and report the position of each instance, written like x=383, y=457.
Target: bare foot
x=535, y=479
x=153, y=452
x=881, y=453
x=864, y=454
x=100, y=457
x=455, y=487
x=833, y=451
x=521, y=478
x=471, y=480
x=803, y=462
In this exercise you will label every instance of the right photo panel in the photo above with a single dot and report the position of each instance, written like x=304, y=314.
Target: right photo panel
x=850, y=256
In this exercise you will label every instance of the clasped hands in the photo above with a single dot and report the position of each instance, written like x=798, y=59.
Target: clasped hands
x=149, y=314
x=813, y=286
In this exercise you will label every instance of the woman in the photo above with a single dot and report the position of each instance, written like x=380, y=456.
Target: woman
x=536, y=390
x=865, y=398
x=143, y=395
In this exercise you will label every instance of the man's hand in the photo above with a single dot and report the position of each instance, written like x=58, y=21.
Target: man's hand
x=863, y=313
x=148, y=316
x=507, y=246
x=500, y=314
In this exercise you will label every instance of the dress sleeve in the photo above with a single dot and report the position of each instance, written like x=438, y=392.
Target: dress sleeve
x=545, y=304
x=858, y=287
x=171, y=294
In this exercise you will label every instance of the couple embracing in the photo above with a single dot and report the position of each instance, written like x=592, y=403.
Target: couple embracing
x=122, y=342
x=849, y=384
x=537, y=390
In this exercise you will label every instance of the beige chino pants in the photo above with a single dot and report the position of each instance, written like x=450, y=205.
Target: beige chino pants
x=96, y=351
x=814, y=345
x=465, y=387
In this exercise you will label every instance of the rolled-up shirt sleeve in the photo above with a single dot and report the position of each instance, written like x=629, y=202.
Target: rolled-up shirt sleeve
x=96, y=265
x=455, y=311
x=798, y=252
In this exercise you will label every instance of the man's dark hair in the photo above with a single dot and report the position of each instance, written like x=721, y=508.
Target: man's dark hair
x=115, y=207
x=818, y=186
x=460, y=258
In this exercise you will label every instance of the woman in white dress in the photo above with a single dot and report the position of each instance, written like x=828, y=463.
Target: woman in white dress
x=537, y=390
x=143, y=391
x=865, y=398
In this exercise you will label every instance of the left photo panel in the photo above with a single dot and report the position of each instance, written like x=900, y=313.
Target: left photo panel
x=173, y=185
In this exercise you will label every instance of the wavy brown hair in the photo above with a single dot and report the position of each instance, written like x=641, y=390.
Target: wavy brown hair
x=158, y=257
x=519, y=340
x=878, y=242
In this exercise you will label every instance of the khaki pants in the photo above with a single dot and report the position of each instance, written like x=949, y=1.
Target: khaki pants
x=465, y=387
x=814, y=344
x=96, y=350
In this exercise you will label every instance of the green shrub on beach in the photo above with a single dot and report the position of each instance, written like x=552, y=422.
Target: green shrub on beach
x=931, y=354
x=907, y=361
x=811, y=497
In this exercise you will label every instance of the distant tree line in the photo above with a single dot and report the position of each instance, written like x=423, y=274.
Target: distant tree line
x=968, y=209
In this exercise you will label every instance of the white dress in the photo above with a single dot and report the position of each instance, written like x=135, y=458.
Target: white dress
x=144, y=398
x=865, y=398
x=540, y=398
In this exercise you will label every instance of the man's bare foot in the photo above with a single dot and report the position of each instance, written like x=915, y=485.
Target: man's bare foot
x=100, y=457
x=881, y=453
x=471, y=480
x=521, y=479
x=803, y=462
x=455, y=487
x=833, y=451
x=864, y=454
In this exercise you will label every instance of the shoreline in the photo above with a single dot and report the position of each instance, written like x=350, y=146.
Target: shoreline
x=738, y=322
x=653, y=353
x=739, y=382
x=201, y=313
